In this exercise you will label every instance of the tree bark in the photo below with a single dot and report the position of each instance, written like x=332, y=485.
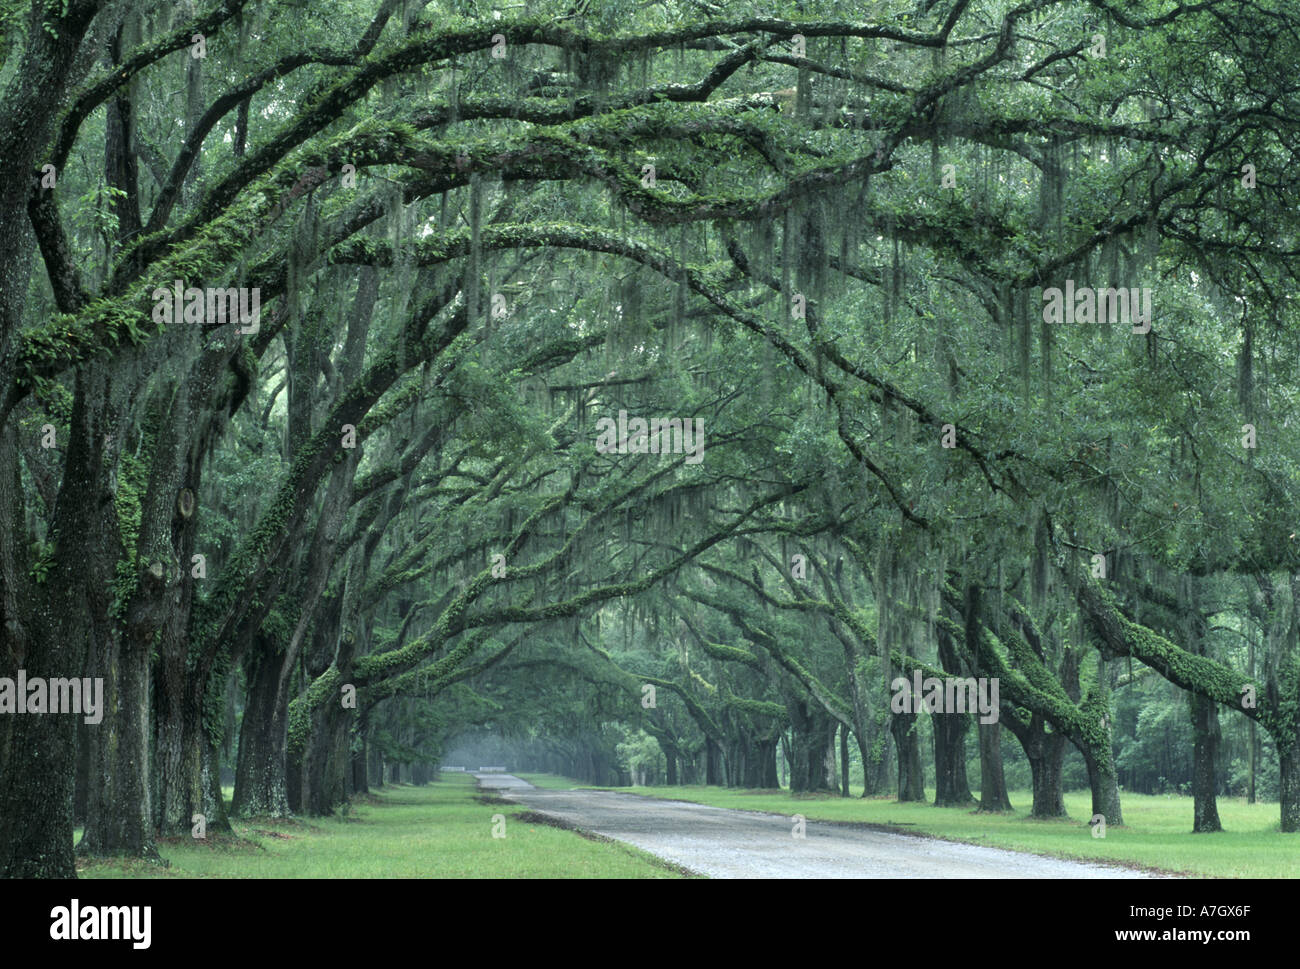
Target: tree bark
x=1289, y=785
x=1204, y=715
x=993, y=784
x=1205, y=757
x=1103, y=782
x=713, y=762
x=911, y=778
x=812, y=761
x=36, y=801
x=260, y=766
x=1046, y=753
x=844, y=760
x=952, y=789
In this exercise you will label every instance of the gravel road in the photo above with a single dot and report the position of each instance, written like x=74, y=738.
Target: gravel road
x=726, y=843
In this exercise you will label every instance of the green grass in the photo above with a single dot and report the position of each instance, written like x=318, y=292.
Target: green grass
x=435, y=831
x=1156, y=835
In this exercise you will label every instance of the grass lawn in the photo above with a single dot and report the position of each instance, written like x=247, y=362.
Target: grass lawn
x=1157, y=831
x=436, y=831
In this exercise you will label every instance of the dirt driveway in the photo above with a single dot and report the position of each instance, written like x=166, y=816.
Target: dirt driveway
x=726, y=843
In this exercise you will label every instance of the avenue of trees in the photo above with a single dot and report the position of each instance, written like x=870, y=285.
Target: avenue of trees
x=340, y=531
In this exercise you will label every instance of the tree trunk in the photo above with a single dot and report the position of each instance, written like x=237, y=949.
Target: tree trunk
x=36, y=799
x=828, y=778
x=36, y=823
x=876, y=760
x=260, y=767
x=952, y=789
x=42, y=627
x=1289, y=787
x=911, y=779
x=713, y=765
x=812, y=761
x=85, y=770
x=844, y=760
x=1103, y=782
x=1205, y=757
x=1046, y=755
x=119, y=819
x=737, y=766
x=328, y=756
x=767, y=777
x=993, y=783
x=360, y=783
x=188, y=765
x=1252, y=739
x=375, y=766
x=1203, y=711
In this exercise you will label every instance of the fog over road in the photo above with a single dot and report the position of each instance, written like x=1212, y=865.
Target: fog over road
x=727, y=843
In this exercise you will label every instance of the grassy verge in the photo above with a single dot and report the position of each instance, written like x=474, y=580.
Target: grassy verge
x=441, y=830
x=1156, y=834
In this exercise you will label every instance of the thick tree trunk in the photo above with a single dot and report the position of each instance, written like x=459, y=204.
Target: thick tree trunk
x=911, y=778
x=860, y=718
x=1205, y=757
x=829, y=779
x=767, y=777
x=375, y=766
x=36, y=800
x=119, y=818
x=876, y=760
x=158, y=621
x=260, y=767
x=176, y=751
x=188, y=772
x=1203, y=711
x=1103, y=782
x=870, y=768
x=44, y=630
x=952, y=789
x=805, y=758
x=36, y=815
x=689, y=768
x=1046, y=754
x=1289, y=786
x=85, y=770
x=293, y=782
x=812, y=761
x=712, y=763
x=328, y=757
x=738, y=769
x=993, y=783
